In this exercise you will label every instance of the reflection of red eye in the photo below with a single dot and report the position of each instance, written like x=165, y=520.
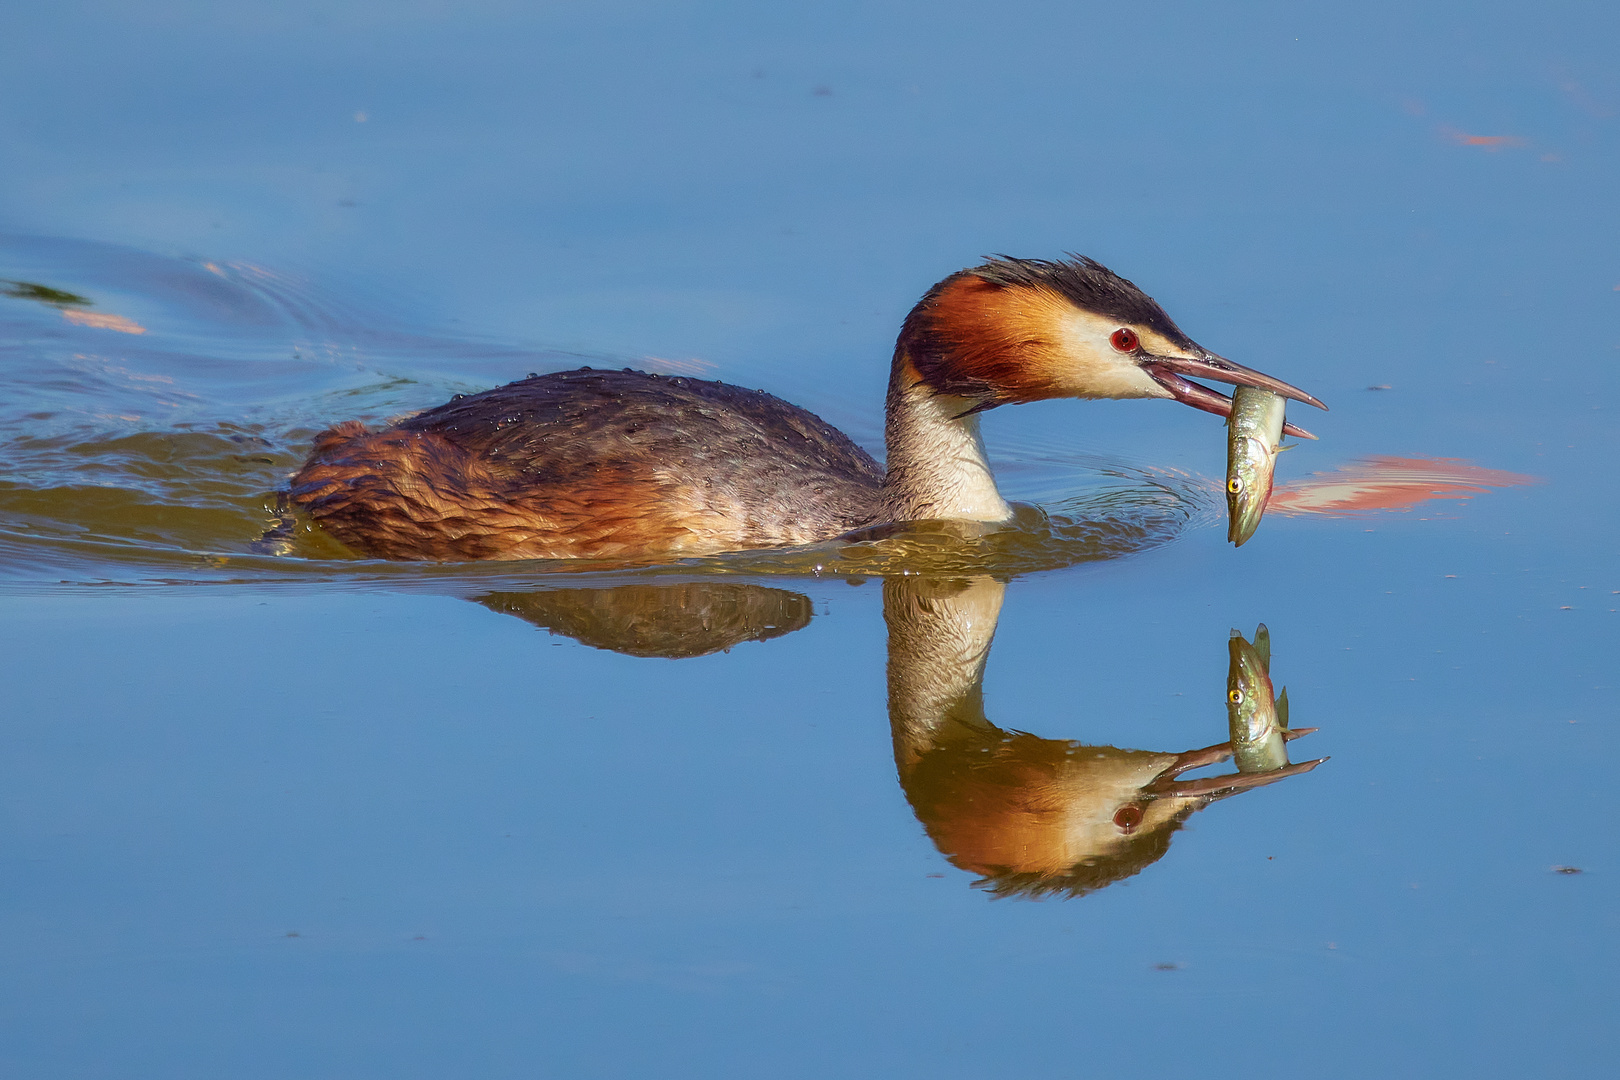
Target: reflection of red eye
x=1128, y=817
x=1124, y=339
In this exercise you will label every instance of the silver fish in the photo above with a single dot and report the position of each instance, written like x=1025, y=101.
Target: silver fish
x=1254, y=437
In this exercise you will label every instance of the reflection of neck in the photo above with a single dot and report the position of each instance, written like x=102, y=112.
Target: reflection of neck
x=936, y=462
x=939, y=638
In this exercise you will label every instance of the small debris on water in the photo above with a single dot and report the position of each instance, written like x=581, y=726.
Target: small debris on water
x=1381, y=386
x=1567, y=870
x=1166, y=967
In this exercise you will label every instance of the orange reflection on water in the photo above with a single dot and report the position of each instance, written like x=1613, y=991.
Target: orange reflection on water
x=1488, y=142
x=102, y=321
x=1388, y=483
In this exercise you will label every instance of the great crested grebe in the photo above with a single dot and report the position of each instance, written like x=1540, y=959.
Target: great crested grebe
x=623, y=464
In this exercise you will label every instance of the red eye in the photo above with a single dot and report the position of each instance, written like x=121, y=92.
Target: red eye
x=1124, y=339
x=1128, y=817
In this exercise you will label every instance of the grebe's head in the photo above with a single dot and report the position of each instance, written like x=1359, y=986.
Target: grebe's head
x=1015, y=330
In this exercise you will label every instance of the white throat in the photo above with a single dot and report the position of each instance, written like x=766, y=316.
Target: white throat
x=937, y=469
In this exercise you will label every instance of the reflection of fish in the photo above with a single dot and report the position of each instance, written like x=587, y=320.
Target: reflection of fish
x=1258, y=725
x=1254, y=435
x=1258, y=721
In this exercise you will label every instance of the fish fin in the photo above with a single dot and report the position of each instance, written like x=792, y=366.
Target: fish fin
x=1290, y=446
x=1262, y=645
x=1282, y=709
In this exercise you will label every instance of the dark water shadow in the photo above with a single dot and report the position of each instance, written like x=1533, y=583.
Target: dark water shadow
x=677, y=621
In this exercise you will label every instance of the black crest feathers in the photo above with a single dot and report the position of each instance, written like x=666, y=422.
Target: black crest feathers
x=1088, y=284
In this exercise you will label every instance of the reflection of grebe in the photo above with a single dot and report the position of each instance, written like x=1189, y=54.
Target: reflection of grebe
x=1031, y=816
x=622, y=464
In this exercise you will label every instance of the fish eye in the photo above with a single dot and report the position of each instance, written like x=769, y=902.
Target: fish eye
x=1235, y=485
x=1124, y=339
x=1235, y=697
x=1128, y=817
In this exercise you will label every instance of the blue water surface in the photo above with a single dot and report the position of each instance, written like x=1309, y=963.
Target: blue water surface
x=283, y=816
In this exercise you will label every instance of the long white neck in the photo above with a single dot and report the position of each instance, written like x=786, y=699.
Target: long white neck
x=937, y=469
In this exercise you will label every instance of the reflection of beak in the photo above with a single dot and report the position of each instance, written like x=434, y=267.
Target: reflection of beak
x=1221, y=786
x=1168, y=372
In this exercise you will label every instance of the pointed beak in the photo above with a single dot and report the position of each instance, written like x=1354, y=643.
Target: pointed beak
x=1171, y=373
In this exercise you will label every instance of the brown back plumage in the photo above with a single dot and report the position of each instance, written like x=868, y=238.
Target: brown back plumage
x=603, y=464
